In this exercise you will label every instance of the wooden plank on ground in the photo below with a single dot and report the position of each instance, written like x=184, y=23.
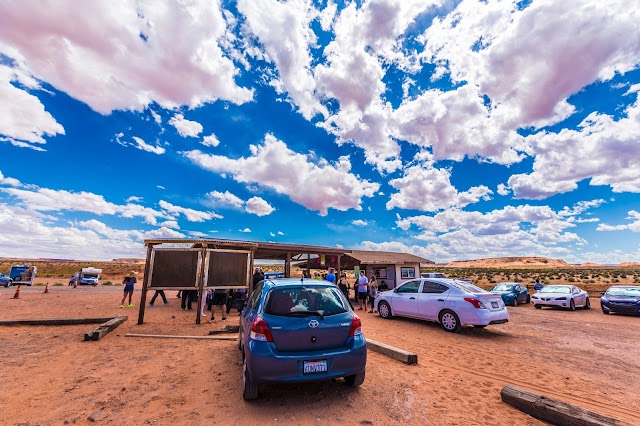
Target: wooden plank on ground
x=226, y=329
x=55, y=321
x=393, y=352
x=553, y=411
x=169, y=336
x=102, y=330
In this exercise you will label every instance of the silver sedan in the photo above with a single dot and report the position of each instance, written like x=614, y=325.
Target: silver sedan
x=562, y=296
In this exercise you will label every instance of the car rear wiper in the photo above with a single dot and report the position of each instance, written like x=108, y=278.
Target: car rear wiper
x=305, y=314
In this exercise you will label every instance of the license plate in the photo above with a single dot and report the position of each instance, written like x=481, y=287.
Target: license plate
x=494, y=305
x=312, y=367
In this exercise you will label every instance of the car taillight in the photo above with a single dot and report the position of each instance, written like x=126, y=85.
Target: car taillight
x=356, y=326
x=475, y=302
x=260, y=330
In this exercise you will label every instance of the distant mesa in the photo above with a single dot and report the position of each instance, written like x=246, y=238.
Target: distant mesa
x=128, y=260
x=629, y=265
x=510, y=262
x=592, y=265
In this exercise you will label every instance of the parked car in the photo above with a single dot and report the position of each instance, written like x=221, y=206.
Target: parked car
x=433, y=275
x=563, y=296
x=296, y=330
x=512, y=293
x=452, y=303
x=622, y=299
x=5, y=280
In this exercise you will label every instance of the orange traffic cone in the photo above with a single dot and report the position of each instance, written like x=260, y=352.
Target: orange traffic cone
x=17, y=295
x=46, y=289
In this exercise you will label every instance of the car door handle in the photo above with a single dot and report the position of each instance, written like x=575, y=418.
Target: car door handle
x=412, y=298
x=440, y=300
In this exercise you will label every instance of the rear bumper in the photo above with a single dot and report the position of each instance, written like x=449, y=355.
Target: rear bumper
x=267, y=365
x=484, y=317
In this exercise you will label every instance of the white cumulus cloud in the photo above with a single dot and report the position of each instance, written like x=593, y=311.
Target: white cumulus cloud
x=186, y=128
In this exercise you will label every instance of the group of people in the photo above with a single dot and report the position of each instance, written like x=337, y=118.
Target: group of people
x=366, y=289
x=221, y=298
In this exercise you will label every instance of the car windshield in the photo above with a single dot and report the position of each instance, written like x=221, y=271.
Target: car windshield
x=556, y=289
x=624, y=291
x=90, y=276
x=504, y=287
x=305, y=301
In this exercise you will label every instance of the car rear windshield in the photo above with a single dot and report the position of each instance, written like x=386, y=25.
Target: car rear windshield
x=556, y=289
x=303, y=301
x=469, y=288
x=627, y=292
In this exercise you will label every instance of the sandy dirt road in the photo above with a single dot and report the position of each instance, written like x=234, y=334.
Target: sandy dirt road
x=49, y=376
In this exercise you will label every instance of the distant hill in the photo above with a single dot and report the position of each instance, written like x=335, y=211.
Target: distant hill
x=629, y=265
x=511, y=262
x=131, y=260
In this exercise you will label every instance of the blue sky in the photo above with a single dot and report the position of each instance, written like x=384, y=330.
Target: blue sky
x=449, y=129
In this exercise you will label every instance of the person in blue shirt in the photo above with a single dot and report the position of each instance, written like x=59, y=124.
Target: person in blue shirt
x=538, y=286
x=331, y=276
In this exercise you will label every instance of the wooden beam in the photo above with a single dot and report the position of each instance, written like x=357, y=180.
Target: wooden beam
x=201, y=273
x=287, y=266
x=56, y=321
x=393, y=352
x=145, y=284
x=226, y=329
x=169, y=336
x=100, y=332
x=553, y=411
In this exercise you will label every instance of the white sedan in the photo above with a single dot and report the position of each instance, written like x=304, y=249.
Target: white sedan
x=562, y=296
x=452, y=303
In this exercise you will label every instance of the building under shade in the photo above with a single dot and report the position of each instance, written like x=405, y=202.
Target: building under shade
x=199, y=264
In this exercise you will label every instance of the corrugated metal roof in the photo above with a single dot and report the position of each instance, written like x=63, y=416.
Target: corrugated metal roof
x=386, y=257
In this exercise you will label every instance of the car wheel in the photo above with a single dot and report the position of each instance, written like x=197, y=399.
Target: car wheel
x=355, y=379
x=384, y=310
x=572, y=305
x=515, y=301
x=450, y=321
x=587, y=304
x=249, y=389
x=606, y=312
x=528, y=299
x=537, y=306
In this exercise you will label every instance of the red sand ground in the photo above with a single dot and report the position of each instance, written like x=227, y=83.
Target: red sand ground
x=49, y=376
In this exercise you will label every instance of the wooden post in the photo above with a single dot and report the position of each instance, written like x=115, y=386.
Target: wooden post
x=339, y=269
x=251, y=267
x=287, y=266
x=553, y=411
x=309, y=265
x=201, y=282
x=145, y=284
x=393, y=352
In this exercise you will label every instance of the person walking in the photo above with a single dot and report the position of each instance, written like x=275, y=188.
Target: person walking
x=129, y=281
x=342, y=285
x=161, y=294
x=331, y=276
x=538, y=285
x=373, y=292
x=188, y=296
x=219, y=299
x=363, y=286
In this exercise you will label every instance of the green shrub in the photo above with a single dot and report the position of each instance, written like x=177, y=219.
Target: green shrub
x=571, y=280
x=107, y=283
x=546, y=282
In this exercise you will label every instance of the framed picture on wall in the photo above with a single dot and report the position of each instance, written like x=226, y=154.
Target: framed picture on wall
x=407, y=273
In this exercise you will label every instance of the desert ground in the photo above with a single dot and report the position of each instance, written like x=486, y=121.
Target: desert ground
x=50, y=376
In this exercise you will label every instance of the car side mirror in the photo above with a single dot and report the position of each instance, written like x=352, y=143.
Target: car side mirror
x=602, y=292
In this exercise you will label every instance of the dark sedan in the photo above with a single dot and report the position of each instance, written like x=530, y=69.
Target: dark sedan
x=5, y=280
x=621, y=299
x=512, y=293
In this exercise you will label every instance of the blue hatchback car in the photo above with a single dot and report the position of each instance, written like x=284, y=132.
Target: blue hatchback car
x=512, y=293
x=298, y=330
